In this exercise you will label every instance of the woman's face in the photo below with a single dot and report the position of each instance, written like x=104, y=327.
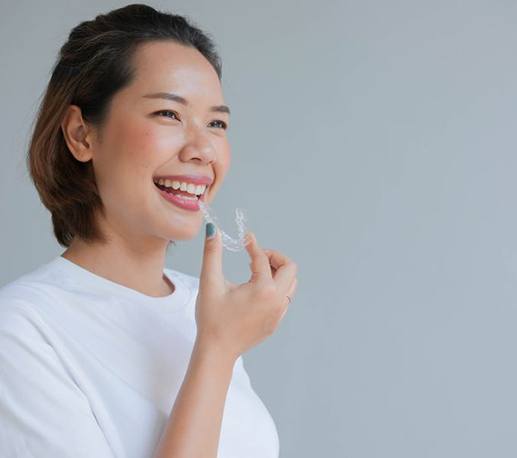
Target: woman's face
x=148, y=136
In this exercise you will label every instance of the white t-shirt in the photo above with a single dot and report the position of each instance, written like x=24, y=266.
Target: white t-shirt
x=91, y=368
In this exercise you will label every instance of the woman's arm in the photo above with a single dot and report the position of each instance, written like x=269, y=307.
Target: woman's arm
x=194, y=424
x=230, y=319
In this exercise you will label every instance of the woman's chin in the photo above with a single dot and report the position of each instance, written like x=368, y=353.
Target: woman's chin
x=187, y=233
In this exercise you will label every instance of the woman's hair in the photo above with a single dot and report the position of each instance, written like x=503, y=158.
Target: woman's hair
x=92, y=66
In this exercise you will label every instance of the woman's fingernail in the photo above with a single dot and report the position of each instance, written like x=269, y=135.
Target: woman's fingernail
x=210, y=230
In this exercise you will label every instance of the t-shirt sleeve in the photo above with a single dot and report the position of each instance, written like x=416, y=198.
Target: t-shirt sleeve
x=43, y=413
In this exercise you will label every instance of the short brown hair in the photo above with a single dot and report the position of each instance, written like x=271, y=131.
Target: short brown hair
x=91, y=67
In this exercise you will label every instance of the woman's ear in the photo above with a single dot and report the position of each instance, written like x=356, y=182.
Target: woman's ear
x=75, y=133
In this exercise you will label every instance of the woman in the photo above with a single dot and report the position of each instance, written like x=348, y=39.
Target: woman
x=103, y=351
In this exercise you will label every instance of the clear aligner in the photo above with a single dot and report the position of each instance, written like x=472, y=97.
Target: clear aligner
x=228, y=242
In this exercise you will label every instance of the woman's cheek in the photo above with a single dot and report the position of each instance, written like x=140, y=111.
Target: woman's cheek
x=152, y=147
x=145, y=140
x=165, y=145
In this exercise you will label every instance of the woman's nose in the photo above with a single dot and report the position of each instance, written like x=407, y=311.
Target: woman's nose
x=198, y=147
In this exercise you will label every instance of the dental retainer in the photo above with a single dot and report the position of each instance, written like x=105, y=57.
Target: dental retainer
x=228, y=242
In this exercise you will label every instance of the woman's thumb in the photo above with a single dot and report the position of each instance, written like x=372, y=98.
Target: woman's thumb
x=212, y=266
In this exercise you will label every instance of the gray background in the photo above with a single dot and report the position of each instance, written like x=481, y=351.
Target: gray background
x=374, y=143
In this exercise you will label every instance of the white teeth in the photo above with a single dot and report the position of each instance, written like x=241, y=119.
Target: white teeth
x=191, y=188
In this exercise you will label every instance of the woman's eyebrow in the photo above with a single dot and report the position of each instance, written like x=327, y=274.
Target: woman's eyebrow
x=178, y=98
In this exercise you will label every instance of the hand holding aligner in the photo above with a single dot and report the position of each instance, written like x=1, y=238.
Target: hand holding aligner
x=228, y=242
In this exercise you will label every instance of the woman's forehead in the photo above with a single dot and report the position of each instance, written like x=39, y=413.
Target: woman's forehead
x=188, y=77
x=164, y=58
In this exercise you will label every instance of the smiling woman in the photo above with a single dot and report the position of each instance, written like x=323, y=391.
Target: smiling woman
x=103, y=350
x=105, y=73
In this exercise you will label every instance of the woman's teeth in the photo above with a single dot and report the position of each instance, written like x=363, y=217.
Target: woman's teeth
x=191, y=188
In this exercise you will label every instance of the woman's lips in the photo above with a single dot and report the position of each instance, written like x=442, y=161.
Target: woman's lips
x=186, y=202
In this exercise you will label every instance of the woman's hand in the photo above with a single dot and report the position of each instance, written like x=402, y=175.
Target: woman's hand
x=234, y=317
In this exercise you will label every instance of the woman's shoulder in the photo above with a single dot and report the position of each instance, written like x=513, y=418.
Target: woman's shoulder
x=20, y=299
x=26, y=289
x=31, y=283
x=19, y=317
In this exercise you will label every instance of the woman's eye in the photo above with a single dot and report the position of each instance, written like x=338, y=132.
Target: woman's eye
x=167, y=111
x=222, y=123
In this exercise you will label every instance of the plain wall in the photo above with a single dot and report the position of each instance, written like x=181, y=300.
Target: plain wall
x=374, y=143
